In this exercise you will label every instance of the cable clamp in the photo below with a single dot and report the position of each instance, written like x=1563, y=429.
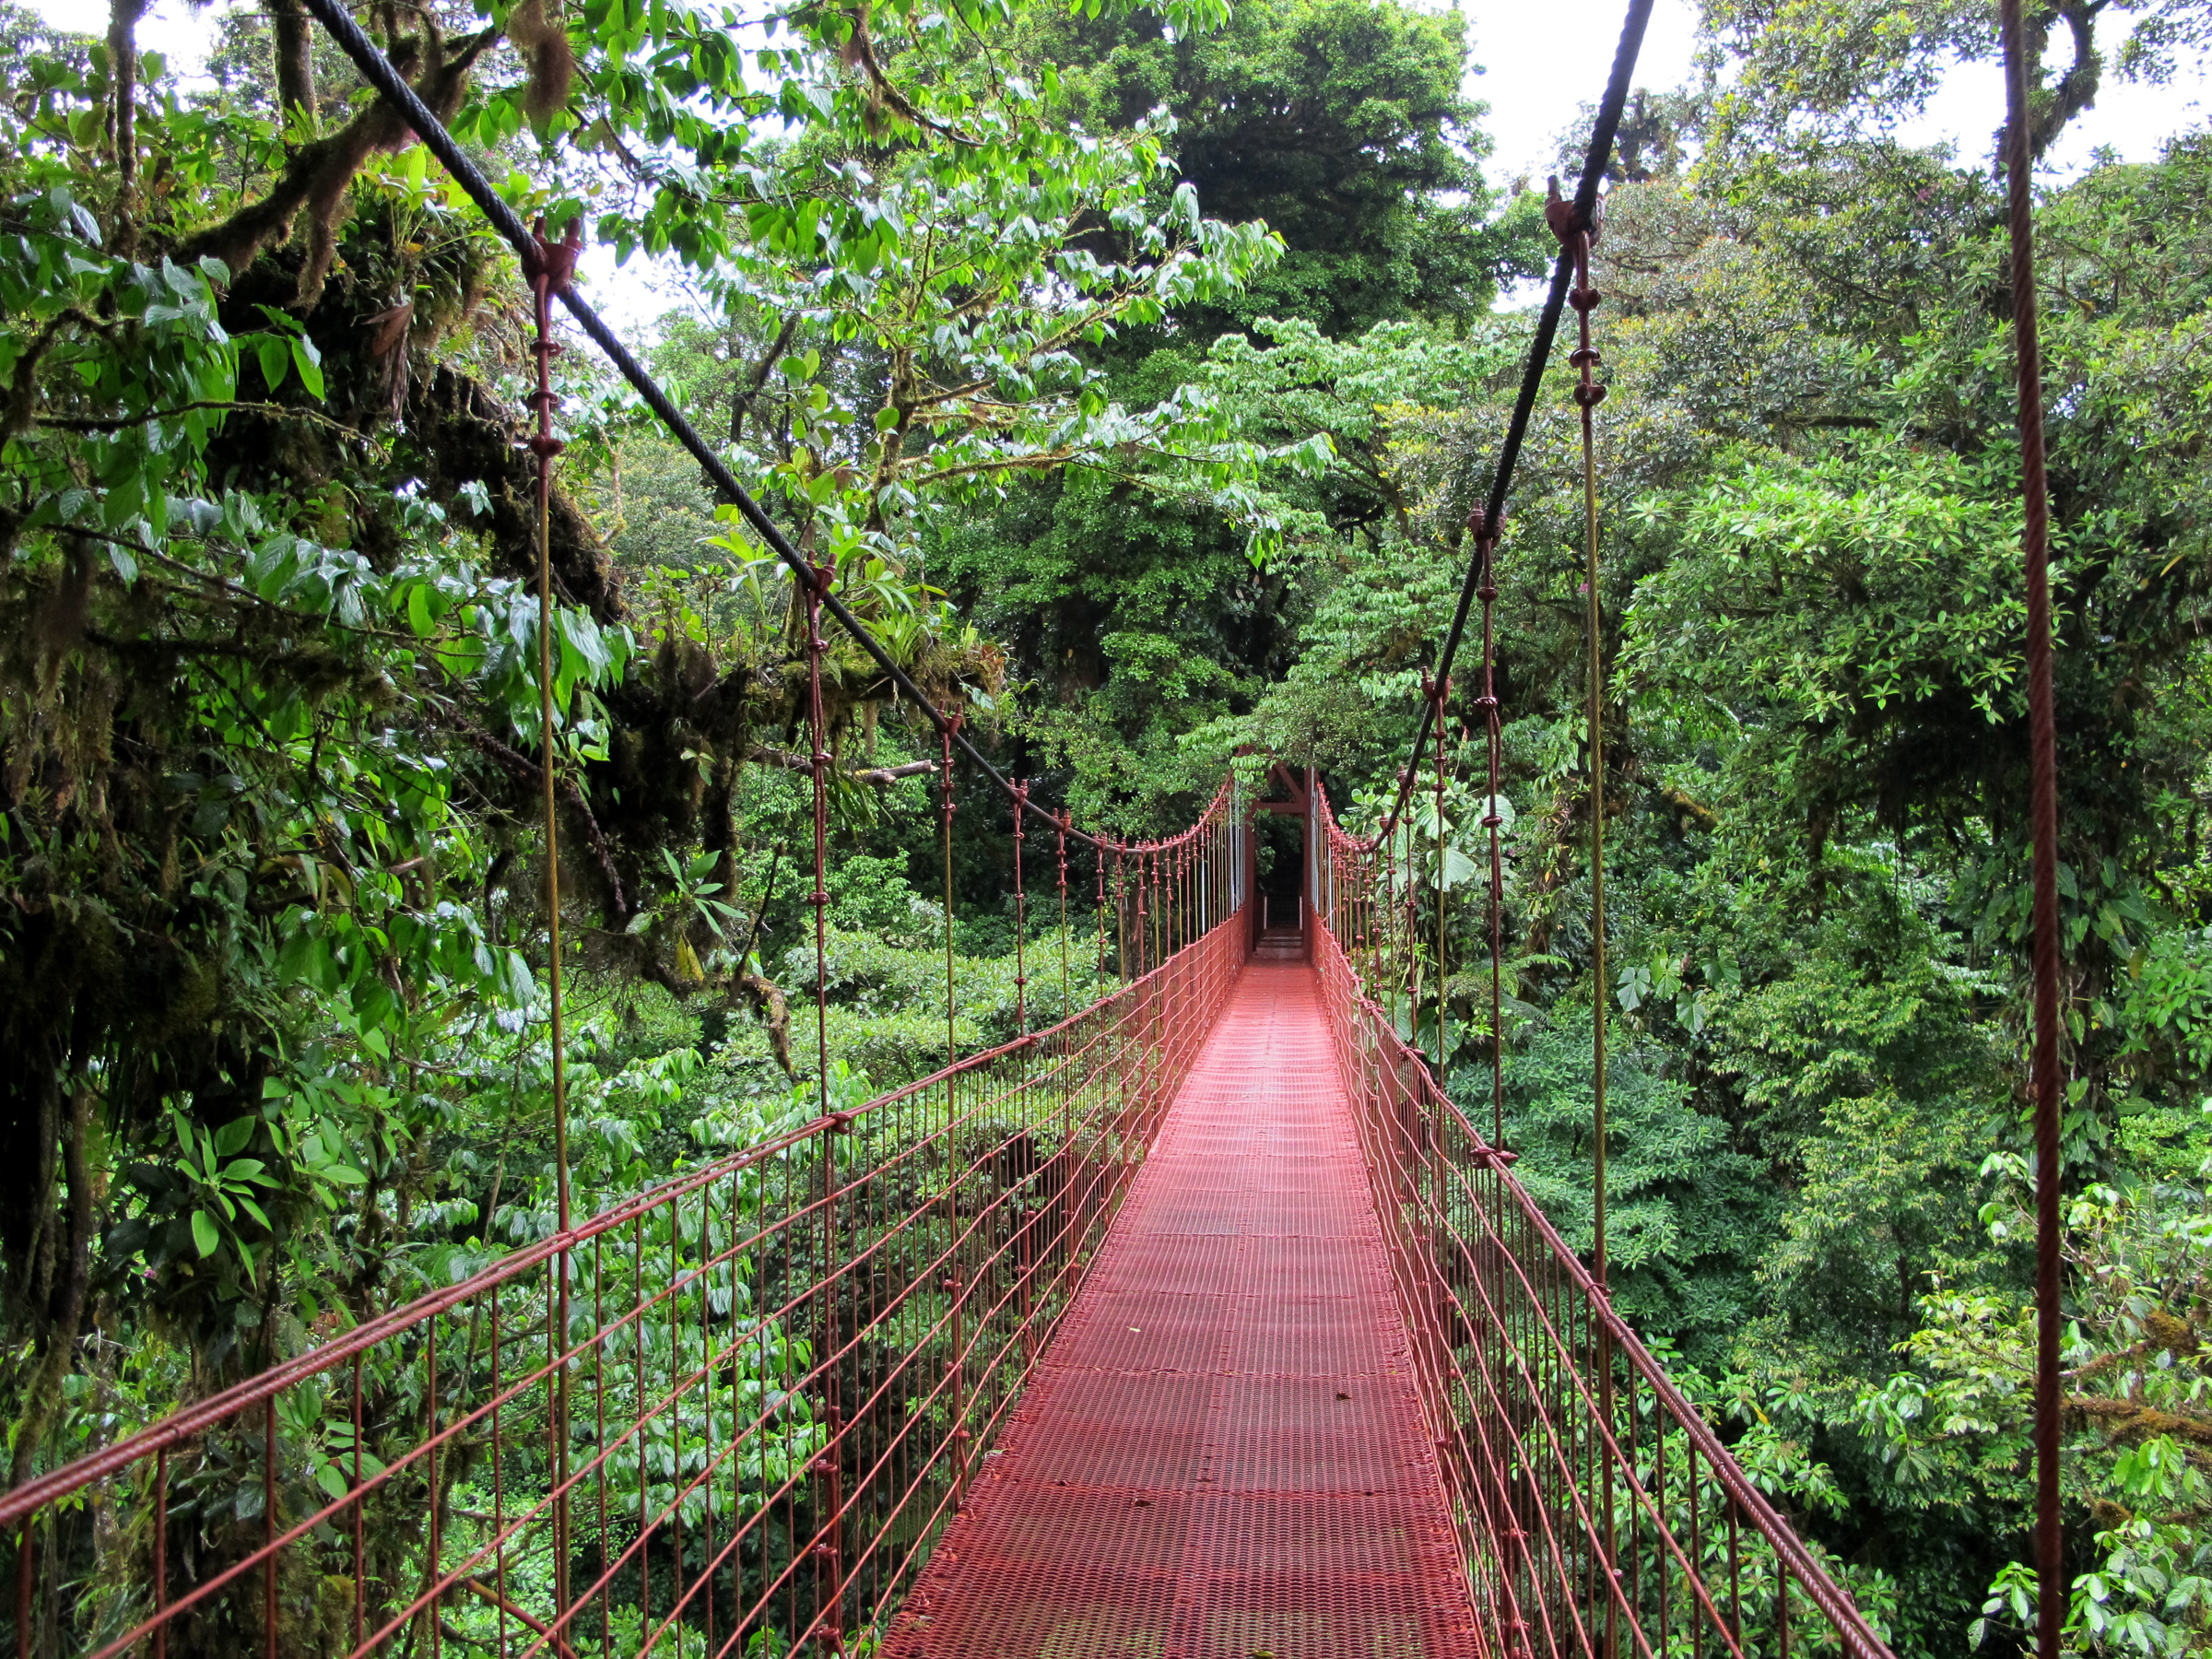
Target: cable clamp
x=553, y=263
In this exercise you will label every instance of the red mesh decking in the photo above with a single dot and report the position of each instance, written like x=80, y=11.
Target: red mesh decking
x=1222, y=1453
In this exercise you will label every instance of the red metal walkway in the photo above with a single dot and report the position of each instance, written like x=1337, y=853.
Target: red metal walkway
x=1222, y=1453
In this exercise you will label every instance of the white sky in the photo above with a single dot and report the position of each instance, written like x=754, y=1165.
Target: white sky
x=1543, y=60
x=1540, y=60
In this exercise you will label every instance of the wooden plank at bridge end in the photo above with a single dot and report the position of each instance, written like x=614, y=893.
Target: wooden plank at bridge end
x=1222, y=1454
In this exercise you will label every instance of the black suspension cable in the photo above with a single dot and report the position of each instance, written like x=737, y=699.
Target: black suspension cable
x=1594, y=161
x=380, y=73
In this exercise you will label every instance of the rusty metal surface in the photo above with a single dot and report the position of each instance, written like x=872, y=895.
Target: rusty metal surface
x=1223, y=1452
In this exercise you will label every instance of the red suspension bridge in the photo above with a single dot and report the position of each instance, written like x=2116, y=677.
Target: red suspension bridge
x=1200, y=1325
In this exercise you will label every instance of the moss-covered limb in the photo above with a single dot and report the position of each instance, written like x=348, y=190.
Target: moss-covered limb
x=637, y=955
x=882, y=776
x=2132, y=1421
x=750, y=391
x=295, y=59
x=42, y=1397
x=522, y=768
x=123, y=118
x=19, y=406
x=461, y=434
x=747, y=986
x=315, y=179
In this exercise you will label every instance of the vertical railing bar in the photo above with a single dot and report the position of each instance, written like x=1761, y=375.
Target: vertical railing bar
x=599, y=1452
x=642, y=1440
x=24, y=1633
x=1735, y=1587
x=1635, y=1520
x=498, y=1489
x=268, y=1523
x=437, y=1562
x=360, y=1504
x=678, y=1387
x=706, y=1346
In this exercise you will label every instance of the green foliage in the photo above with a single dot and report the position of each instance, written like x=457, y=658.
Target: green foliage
x=1340, y=125
x=1683, y=1212
x=1136, y=368
x=1137, y=620
x=1817, y=847
x=275, y=878
x=1955, y=1428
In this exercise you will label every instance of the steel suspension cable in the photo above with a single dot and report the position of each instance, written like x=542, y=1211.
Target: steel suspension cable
x=553, y=261
x=1588, y=394
x=1439, y=693
x=818, y=761
x=1594, y=161
x=1486, y=548
x=1021, y=921
x=381, y=74
x=952, y=1047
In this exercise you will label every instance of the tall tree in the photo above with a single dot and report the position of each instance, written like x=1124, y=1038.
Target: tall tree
x=1133, y=605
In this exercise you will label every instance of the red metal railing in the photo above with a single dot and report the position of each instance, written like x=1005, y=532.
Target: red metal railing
x=779, y=1373
x=1598, y=1513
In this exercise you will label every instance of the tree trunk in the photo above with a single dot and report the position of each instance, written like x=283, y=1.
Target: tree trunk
x=295, y=60
x=46, y=1391
x=122, y=119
